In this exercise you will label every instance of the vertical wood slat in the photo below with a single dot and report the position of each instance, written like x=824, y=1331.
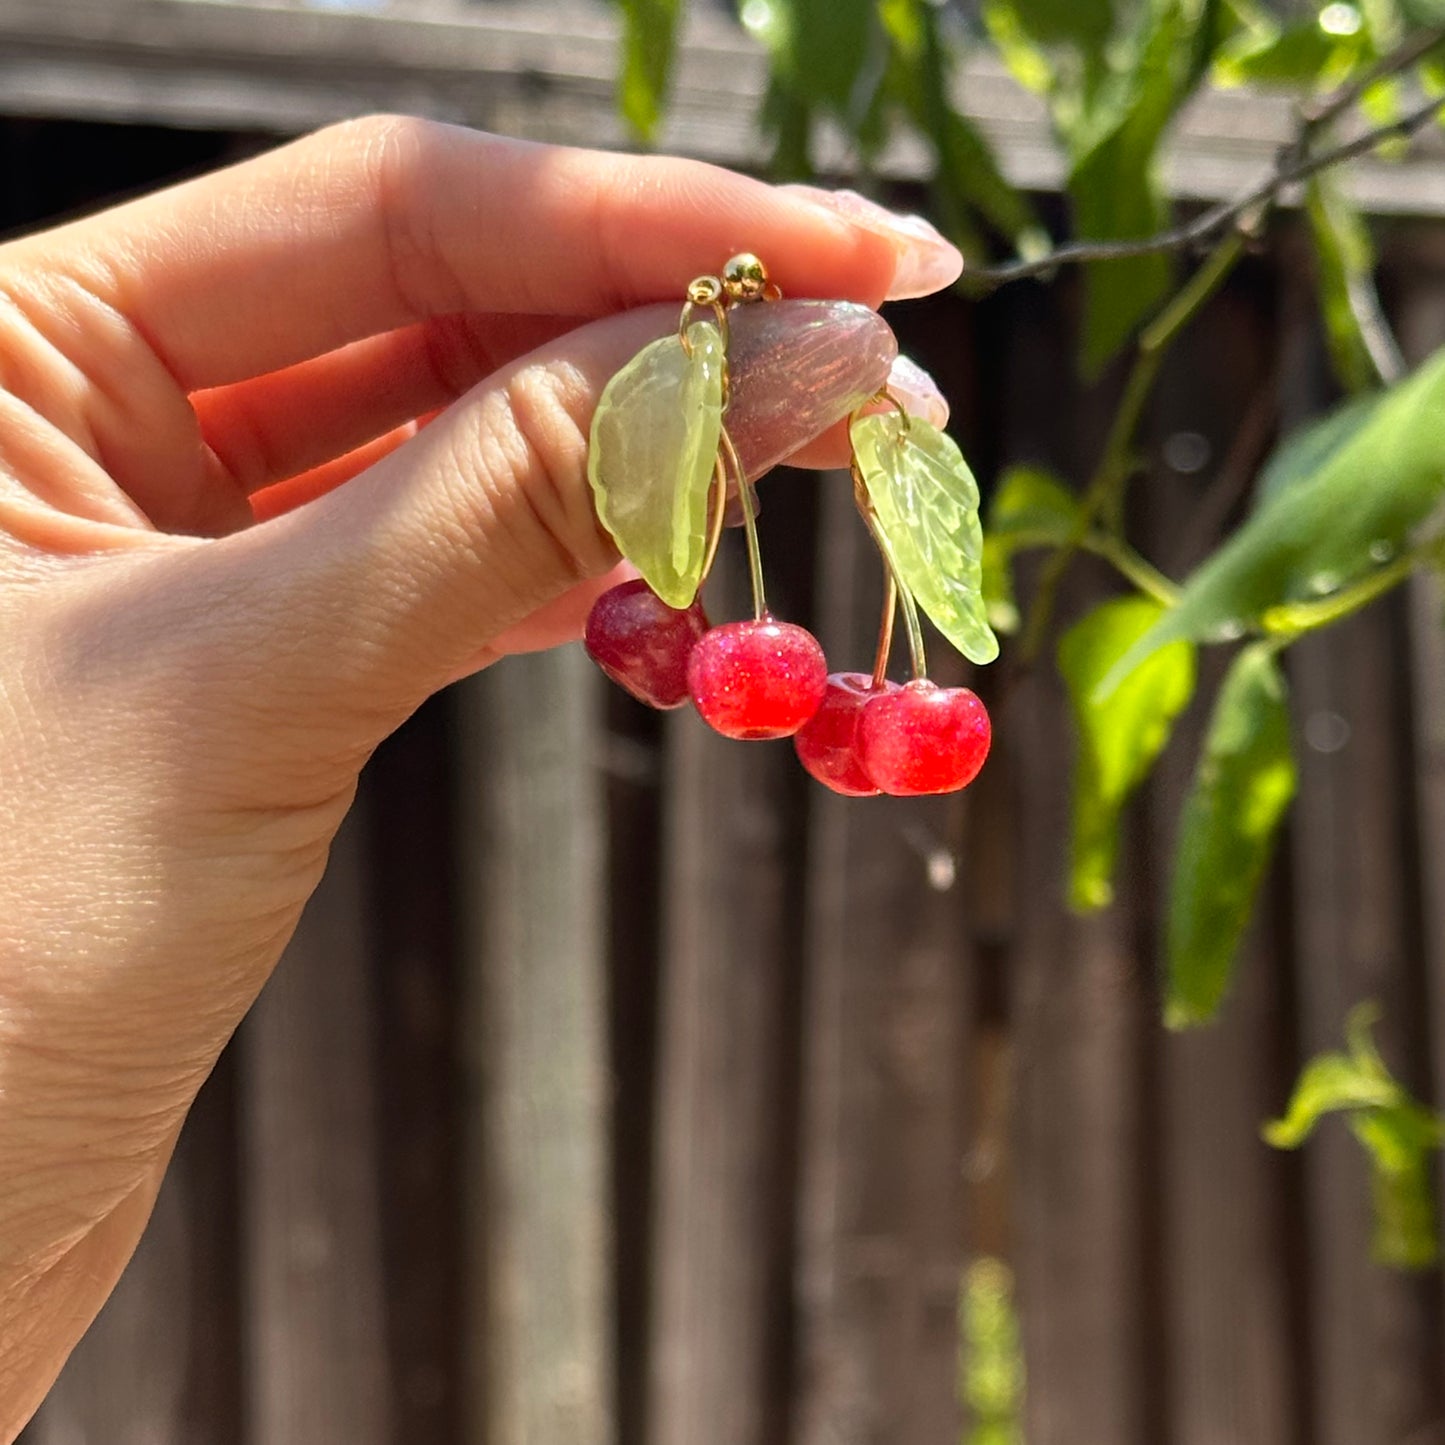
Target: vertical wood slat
x=317, y=1358
x=1231, y=1374
x=1077, y=1004
x=1375, y=1331
x=161, y=1364
x=1227, y=1257
x=1427, y=645
x=411, y=787
x=1422, y=330
x=535, y=1009
x=721, y=1128
x=886, y=1065
x=1078, y=1012
x=1374, y=1334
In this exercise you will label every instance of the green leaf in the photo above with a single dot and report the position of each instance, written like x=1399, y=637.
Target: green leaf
x=1399, y=1134
x=1345, y=256
x=1113, y=185
x=1243, y=783
x=1299, y=457
x=1085, y=24
x=1302, y=55
x=653, y=446
x=926, y=503
x=1118, y=739
x=821, y=50
x=1030, y=508
x=967, y=175
x=649, y=40
x=1365, y=498
x=1400, y=1142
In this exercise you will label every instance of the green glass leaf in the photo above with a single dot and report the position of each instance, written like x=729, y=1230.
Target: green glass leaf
x=654, y=442
x=1120, y=738
x=1345, y=257
x=926, y=502
x=1242, y=785
x=1356, y=511
x=1030, y=508
x=1399, y=1134
x=649, y=40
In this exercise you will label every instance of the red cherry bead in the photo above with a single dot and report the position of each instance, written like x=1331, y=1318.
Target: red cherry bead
x=642, y=644
x=828, y=745
x=757, y=679
x=923, y=739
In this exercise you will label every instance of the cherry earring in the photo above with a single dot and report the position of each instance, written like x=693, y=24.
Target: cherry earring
x=920, y=502
x=661, y=464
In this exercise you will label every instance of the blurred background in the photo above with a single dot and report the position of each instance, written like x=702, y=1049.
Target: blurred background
x=622, y=1087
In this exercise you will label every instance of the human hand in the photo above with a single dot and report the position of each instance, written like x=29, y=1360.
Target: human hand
x=186, y=698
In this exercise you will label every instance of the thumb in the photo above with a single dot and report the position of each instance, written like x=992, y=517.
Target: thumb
x=380, y=592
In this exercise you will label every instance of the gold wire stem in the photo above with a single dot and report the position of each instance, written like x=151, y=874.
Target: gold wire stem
x=886, y=398
x=885, y=629
x=750, y=526
x=719, y=514
x=912, y=626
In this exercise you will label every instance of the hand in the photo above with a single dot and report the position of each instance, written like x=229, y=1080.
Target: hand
x=186, y=697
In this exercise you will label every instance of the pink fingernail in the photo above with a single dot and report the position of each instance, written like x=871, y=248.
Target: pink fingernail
x=926, y=260
x=918, y=391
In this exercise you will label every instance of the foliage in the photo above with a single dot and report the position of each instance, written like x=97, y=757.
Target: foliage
x=1343, y=510
x=1245, y=779
x=990, y=1366
x=1399, y=1134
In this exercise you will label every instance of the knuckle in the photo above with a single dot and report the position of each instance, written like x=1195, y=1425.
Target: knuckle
x=546, y=406
x=397, y=158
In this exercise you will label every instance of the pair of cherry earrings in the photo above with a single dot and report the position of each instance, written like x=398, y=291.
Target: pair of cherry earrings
x=661, y=465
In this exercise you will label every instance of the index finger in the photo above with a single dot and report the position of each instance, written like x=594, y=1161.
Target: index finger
x=377, y=223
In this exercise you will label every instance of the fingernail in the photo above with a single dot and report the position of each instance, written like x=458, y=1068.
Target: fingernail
x=926, y=261
x=918, y=391
x=796, y=368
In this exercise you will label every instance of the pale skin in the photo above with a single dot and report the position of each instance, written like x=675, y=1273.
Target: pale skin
x=187, y=697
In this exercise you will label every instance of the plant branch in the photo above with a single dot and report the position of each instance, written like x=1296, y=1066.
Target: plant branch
x=1314, y=118
x=1105, y=493
x=1239, y=213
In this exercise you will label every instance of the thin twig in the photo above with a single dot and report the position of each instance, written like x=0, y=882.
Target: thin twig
x=1103, y=497
x=1314, y=118
x=1217, y=219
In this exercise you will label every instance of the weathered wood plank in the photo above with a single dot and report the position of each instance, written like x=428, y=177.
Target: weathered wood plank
x=1232, y=1366
x=1078, y=1012
x=317, y=1368
x=1374, y=1335
x=540, y=1345
x=412, y=907
x=161, y=1364
x=252, y=65
x=1422, y=329
x=887, y=1066
x=732, y=936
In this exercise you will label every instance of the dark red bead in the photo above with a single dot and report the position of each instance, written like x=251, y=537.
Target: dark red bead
x=828, y=745
x=923, y=739
x=642, y=644
x=757, y=679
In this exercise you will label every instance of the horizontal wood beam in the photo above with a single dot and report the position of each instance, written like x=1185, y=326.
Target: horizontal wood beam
x=546, y=72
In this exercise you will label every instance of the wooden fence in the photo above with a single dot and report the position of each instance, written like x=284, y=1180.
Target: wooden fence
x=621, y=1086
